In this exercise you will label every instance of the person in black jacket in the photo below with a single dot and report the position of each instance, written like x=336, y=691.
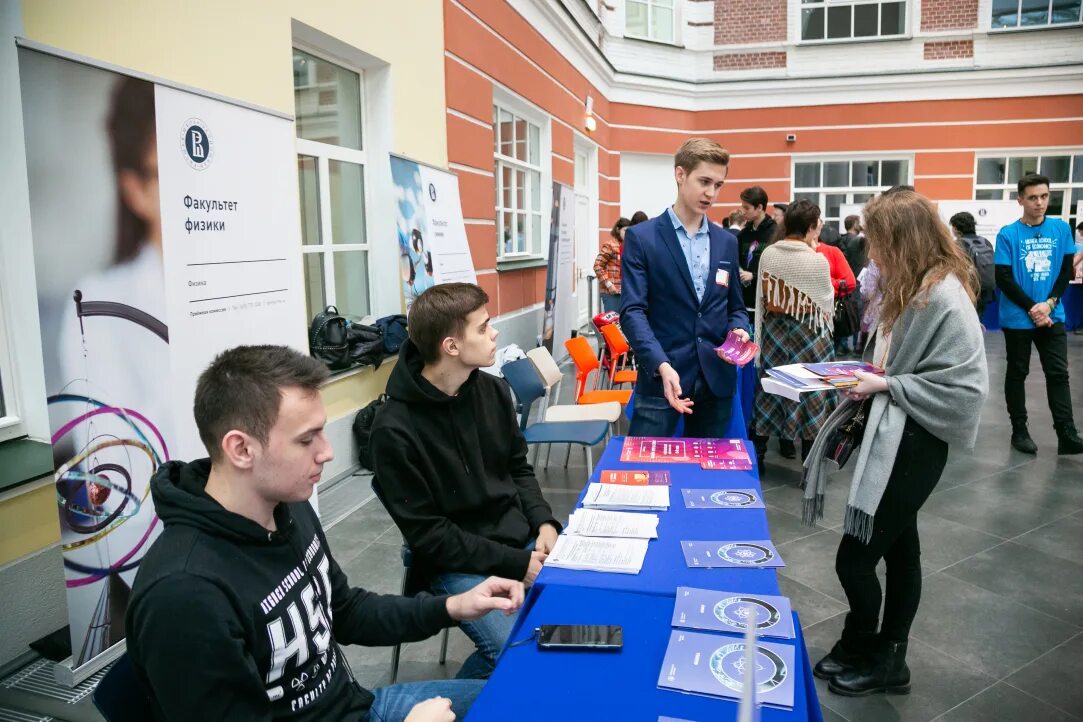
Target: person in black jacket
x=452, y=463
x=758, y=232
x=239, y=607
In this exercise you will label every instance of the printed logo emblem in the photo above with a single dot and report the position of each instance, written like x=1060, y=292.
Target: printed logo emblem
x=733, y=498
x=432, y=192
x=736, y=611
x=196, y=142
x=745, y=553
x=728, y=666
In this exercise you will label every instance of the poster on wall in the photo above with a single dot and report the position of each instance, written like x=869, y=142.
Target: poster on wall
x=560, y=309
x=165, y=230
x=429, y=222
x=989, y=216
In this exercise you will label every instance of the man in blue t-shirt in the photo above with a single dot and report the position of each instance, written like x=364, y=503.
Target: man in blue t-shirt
x=1033, y=261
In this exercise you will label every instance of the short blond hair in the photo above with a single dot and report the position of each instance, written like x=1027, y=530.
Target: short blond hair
x=700, y=150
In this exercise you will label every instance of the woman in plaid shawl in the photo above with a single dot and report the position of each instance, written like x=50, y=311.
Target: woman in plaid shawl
x=794, y=317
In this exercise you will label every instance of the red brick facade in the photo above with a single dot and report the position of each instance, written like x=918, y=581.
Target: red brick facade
x=750, y=61
x=949, y=49
x=948, y=15
x=740, y=22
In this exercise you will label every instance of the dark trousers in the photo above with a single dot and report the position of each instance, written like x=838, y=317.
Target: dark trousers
x=918, y=466
x=1052, y=344
x=653, y=416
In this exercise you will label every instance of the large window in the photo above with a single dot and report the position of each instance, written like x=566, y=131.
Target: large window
x=832, y=183
x=650, y=20
x=517, y=165
x=851, y=19
x=996, y=179
x=331, y=174
x=1008, y=14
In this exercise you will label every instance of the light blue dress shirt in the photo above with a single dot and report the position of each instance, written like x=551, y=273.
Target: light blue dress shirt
x=697, y=251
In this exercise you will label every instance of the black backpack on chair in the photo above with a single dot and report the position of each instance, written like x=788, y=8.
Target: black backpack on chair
x=362, y=430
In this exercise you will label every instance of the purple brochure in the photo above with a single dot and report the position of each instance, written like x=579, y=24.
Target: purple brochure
x=713, y=664
x=722, y=499
x=756, y=553
x=731, y=611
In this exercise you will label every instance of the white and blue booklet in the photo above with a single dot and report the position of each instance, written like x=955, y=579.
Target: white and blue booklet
x=722, y=499
x=756, y=553
x=714, y=665
x=732, y=612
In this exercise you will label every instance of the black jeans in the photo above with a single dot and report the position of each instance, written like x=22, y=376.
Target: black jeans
x=918, y=466
x=1052, y=344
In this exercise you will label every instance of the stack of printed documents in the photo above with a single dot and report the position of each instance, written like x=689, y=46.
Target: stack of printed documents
x=620, y=496
x=597, y=523
x=597, y=554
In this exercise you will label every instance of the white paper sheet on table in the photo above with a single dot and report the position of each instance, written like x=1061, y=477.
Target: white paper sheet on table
x=598, y=554
x=619, y=496
x=599, y=523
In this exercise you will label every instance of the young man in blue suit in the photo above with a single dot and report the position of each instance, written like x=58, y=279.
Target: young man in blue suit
x=681, y=296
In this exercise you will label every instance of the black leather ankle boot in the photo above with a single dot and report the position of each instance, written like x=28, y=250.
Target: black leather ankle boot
x=840, y=659
x=1068, y=441
x=1021, y=440
x=884, y=671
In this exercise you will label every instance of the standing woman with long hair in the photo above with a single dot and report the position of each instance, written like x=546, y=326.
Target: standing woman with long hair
x=607, y=266
x=930, y=399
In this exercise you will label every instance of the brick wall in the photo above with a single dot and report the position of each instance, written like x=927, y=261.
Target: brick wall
x=949, y=49
x=948, y=15
x=750, y=61
x=739, y=22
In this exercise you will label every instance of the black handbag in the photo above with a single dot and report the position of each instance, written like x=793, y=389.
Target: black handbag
x=327, y=339
x=847, y=318
x=848, y=435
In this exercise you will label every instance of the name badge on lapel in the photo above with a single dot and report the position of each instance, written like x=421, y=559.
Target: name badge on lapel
x=722, y=276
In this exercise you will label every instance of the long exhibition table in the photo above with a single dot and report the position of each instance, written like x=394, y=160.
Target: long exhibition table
x=529, y=684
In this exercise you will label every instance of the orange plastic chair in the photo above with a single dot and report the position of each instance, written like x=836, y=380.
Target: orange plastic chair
x=586, y=363
x=616, y=345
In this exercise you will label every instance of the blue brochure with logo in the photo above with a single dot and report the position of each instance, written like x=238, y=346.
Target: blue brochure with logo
x=747, y=554
x=732, y=612
x=722, y=499
x=714, y=664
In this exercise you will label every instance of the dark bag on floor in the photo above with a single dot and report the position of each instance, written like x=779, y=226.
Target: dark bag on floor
x=362, y=430
x=366, y=344
x=848, y=435
x=394, y=330
x=847, y=317
x=327, y=339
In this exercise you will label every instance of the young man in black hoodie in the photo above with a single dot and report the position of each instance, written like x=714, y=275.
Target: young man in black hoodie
x=451, y=462
x=239, y=607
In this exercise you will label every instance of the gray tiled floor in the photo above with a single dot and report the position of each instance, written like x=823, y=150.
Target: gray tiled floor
x=999, y=635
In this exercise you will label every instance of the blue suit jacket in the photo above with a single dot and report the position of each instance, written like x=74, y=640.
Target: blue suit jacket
x=662, y=317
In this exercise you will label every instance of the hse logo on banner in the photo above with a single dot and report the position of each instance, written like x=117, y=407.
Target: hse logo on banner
x=432, y=192
x=196, y=142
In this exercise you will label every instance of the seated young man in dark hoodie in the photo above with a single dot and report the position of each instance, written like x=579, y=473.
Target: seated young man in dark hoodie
x=239, y=607
x=452, y=463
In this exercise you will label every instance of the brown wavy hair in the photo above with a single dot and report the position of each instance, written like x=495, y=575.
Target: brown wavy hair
x=914, y=251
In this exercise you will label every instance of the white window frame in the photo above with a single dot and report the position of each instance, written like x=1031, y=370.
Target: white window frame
x=324, y=153
x=848, y=190
x=504, y=100
x=908, y=8
x=675, y=9
x=1073, y=189
x=1018, y=17
x=12, y=423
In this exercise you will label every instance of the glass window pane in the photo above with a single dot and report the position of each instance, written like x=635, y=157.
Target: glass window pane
x=326, y=101
x=1034, y=12
x=1056, y=167
x=834, y=202
x=506, y=181
x=635, y=19
x=812, y=24
x=662, y=25
x=535, y=234
x=520, y=139
x=347, y=202
x=1019, y=167
x=1066, y=11
x=814, y=197
x=1077, y=169
x=535, y=191
x=307, y=181
x=806, y=175
x=893, y=18
x=990, y=170
x=520, y=233
x=865, y=173
x=315, y=296
x=505, y=223
x=838, y=21
x=836, y=174
x=1005, y=13
x=352, y=282
x=983, y=194
x=535, y=145
x=866, y=20
x=863, y=197
x=1056, y=204
x=505, y=133
x=520, y=189
x=893, y=172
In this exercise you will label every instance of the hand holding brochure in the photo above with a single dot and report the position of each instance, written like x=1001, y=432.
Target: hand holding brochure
x=619, y=496
x=597, y=523
x=624, y=556
x=732, y=612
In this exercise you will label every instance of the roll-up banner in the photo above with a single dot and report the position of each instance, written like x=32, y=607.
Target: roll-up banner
x=166, y=230
x=989, y=216
x=560, y=308
x=430, y=229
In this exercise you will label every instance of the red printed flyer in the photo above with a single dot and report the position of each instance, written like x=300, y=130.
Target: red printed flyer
x=708, y=453
x=635, y=478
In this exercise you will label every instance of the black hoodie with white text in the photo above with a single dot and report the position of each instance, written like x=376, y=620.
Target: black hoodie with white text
x=230, y=621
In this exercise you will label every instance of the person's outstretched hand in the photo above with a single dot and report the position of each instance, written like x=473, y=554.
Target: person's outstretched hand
x=493, y=593
x=671, y=387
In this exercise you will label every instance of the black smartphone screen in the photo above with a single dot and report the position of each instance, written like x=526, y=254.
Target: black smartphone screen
x=605, y=637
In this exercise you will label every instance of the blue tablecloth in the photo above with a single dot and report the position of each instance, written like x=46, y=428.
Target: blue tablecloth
x=529, y=684
x=664, y=568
